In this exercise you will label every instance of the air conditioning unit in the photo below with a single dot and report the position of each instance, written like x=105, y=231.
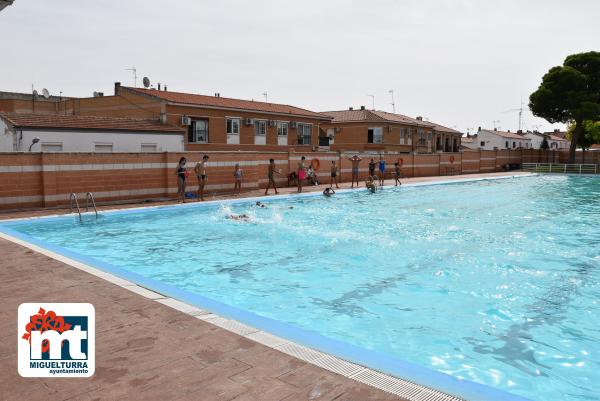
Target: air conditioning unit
x=272, y=123
x=338, y=129
x=248, y=121
x=185, y=120
x=293, y=124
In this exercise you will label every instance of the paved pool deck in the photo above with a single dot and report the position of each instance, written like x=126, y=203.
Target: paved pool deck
x=148, y=351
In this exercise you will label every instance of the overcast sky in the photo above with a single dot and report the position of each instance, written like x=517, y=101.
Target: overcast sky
x=461, y=63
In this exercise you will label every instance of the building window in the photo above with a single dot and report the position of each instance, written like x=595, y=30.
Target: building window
x=422, y=140
x=198, y=131
x=402, y=136
x=260, y=127
x=282, y=128
x=514, y=145
x=304, y=134
x=233, y=126
x=149, y=147
x=375, y=135
x=506, y=144
x=482, y=143
x=103, y=147
x=52, y=147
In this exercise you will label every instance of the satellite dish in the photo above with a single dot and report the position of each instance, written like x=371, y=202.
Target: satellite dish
x=45, y=93
x=146, y=82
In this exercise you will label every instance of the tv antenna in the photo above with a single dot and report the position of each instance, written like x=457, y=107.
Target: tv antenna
x=495, y=122
x=520, y=110
x=134, y=70
x=372, y=101
x=146, y=82
x=266, y=95
x=393, y=102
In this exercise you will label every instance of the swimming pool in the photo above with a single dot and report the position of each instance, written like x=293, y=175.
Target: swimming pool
x=493, y=281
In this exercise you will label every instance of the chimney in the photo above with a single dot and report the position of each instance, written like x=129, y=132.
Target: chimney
x=159, y=86
x=520, y=132
x=351, y=108
x=556, y=130
x=419, y=118
x=362, y=107
x=165, y=88
x=117, y=88
x=495, y=129
x=508, y=131
x=478, y=129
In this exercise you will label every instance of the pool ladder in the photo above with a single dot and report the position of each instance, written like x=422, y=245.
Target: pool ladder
x=73, y=200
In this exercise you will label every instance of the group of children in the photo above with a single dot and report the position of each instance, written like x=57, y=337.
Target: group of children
x=302, y=174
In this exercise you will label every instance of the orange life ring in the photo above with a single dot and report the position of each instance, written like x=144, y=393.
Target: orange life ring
x=315, y=164
x=400, y=161
x=451, y=159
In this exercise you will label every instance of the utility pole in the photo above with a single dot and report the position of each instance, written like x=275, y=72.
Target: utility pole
x=393, y=102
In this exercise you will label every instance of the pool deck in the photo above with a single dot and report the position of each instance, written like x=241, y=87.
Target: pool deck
x=147, y=350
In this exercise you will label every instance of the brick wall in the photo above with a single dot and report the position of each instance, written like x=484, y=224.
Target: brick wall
x=29, y=180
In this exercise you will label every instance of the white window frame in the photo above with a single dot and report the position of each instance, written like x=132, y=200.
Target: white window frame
x=377, y=135
x=58, y=146
x=231, y=120
x=280, y=127
x=300, y=130
x=154, y=145
x=195, y=133
x=403, y=137
x=257, y=125
x=103, y=146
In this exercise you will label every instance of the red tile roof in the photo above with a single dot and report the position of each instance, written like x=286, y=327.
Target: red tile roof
x=228, y=103
x=557, y=138
x=373, y=116
x=512, y=135
x=47, y=121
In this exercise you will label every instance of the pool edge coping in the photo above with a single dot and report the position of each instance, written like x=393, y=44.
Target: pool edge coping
x=390, y=383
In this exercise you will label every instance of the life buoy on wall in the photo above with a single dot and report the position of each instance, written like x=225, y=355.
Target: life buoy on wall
x=451, y=159
x=315, y=164
x=400, y=161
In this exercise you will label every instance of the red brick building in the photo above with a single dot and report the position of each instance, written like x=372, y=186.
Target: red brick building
x=372, y=130
x=213, y=122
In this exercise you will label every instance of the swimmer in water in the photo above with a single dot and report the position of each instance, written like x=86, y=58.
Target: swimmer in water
x=243, y=217
x=370, y=184
x=260, y=204
x=328, y=192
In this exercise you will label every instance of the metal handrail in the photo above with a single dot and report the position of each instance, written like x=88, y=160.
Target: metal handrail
x=561, y=168
x=73, y=198
x=90, y=196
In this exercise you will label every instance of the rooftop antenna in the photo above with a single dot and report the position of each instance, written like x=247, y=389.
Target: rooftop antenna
x=266, y=97
x=496, y=122
x=134, y=70
x=520, y=110
x=372, y=101
x=146, y=82
x=393, y=102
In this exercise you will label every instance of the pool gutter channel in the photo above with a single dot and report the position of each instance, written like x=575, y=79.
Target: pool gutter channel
x=374, y=378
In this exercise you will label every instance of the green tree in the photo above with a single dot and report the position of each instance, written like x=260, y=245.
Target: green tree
x=544, y=144
x=590, y=135
x=570, y=94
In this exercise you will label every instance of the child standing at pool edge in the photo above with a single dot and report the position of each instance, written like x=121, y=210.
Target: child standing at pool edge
x=334, y=175
x=237, y=176
x=200, y=170
x=271, y=177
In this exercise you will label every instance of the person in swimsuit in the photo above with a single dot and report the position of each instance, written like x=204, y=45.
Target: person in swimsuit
x=372, y=168
x=271, y=177
x=181, y=172
x=200, y=170
x=301, y=172
x=242, y=217
x=328, y=192
x=371, y=185
x=237, y=176
x=355, y=160
x=397, y=173
x=334, y=175
x=381, y=170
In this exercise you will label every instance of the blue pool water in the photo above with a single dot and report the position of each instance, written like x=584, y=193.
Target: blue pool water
x=494, y=281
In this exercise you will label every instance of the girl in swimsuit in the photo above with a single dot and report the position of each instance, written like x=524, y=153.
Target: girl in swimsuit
x=301, y=173
x=181, y=172
x=237, y=175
